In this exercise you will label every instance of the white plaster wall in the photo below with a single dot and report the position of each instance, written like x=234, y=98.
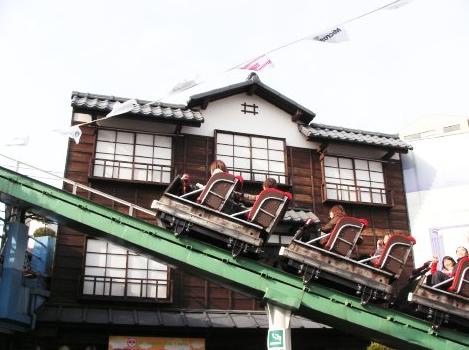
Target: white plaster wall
x=436, y=175
x=225, y=114
x=444, y=208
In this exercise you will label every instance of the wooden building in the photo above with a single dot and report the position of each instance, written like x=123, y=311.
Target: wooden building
x=100, y=290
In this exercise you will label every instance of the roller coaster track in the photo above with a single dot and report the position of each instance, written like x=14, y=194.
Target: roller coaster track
x=124, y=227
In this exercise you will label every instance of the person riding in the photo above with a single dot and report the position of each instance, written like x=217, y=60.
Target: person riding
x=447, y=271
x=186, y=185
x=461, y=252
x=251, y=198
x=380, y=244
x=336, y=212
x=217, y=166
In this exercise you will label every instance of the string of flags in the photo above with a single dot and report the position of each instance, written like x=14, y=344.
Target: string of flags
x=258, y=64
x=118, y=108
x=74, y=132
x=17, y=141
x=121, y=108
x=335, y=34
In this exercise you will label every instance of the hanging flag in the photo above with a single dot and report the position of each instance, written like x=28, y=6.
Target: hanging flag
x=333, y=35
x=17, y=141
x=184, y=85
x=258, y=64
x=122, y=108
x=74, y=132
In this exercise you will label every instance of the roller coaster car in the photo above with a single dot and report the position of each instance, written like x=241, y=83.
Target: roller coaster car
x=205, y=216
x=448, y=304
x=331, y=262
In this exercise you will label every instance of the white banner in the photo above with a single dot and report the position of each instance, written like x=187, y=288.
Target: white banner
x=184, y=85
x=122, y=108
x=74, y=132
x=17, y=141
x=333, y=35
x=258, y=64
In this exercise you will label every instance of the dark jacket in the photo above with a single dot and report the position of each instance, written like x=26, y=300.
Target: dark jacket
x=338, y=212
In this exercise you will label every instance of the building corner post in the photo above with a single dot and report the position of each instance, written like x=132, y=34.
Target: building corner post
x=279, y=334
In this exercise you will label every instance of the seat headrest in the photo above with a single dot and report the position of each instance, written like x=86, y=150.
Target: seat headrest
x=239, y=178
x=363, y=221
x=459, y=267
x=286, y=194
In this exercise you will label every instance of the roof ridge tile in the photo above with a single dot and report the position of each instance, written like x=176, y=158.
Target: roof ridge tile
x=145, y=108
x=315, y=130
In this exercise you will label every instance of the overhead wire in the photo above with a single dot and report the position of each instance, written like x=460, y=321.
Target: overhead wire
x=290, y=43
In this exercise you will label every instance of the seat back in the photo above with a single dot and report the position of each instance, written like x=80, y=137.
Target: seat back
x=395, y=254
x=218, y=190
x=269, y=208
x=344, y=236
x=461, y=278
x=175, y=187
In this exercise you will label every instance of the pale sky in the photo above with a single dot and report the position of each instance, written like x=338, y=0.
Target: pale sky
x=397, y=66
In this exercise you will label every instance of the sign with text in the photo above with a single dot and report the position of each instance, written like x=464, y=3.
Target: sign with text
x=276, y=339
x=150, y=343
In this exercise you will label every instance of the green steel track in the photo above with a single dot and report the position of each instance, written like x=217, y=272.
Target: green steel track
x=263, y=282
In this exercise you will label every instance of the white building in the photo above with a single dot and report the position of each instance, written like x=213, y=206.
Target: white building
x=436, y=176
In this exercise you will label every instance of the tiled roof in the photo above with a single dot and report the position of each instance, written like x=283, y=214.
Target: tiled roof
x=328, y=132
x=159, y=111
x=253, y=85
x=166, y=318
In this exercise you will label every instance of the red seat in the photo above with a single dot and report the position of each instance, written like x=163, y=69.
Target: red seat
x=395, y=254
x=461, y=278
x=345, y=234
x=218, y=190
x=269, y=207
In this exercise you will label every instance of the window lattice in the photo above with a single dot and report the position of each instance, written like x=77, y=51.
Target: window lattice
x=253, y=157
x=111, y=270
x=354, y=180
x=133, y=156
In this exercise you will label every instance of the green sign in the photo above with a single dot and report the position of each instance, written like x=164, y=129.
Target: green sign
x=276, y=339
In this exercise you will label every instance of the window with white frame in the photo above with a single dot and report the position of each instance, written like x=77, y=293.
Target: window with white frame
x=253, y=157
x=354, y=180
x=133, y=156
x=111, y=270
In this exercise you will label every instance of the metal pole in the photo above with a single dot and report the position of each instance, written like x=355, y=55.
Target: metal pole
x=279, y=335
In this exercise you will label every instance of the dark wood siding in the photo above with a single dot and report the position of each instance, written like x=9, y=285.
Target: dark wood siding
x=193, y=154
x=305, y=170
x=300, y=168
x=68, y=264
x=70, y=245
